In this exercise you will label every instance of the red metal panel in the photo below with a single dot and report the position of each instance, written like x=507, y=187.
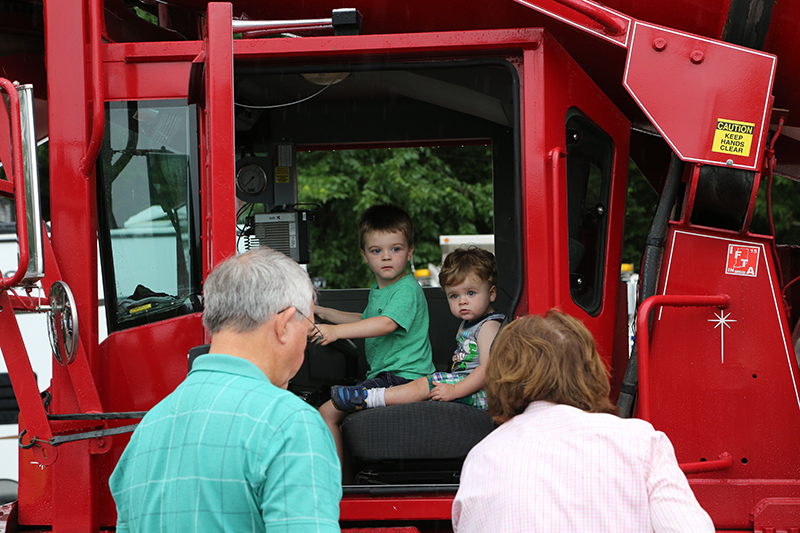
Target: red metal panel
x=74, y=234
x=378, y=46
x=353, y=508
x=218, y=196
x=727, y=380
x=552, y=84
x=706, y=81
x=141, y=71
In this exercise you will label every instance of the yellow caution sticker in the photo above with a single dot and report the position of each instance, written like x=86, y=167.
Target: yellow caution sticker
x=733, y=137
x=282, y=175
x=144, y=307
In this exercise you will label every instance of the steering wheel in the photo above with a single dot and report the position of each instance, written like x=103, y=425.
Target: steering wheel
x=344, y=346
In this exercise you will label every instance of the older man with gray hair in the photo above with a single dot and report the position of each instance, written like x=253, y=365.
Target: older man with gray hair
x=230, y=449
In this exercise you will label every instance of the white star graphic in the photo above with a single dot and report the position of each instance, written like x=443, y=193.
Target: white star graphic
x=722, y=323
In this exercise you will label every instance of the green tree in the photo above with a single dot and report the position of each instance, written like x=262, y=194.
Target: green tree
x=640, y=207
x=445, y=191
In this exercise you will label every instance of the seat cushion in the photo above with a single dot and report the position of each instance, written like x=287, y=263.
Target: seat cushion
x=420, y=430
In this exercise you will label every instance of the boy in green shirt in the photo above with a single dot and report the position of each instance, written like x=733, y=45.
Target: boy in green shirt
x=395, y=322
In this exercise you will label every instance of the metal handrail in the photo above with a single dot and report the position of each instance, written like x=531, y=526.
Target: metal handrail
x=611, y=25
x=643, y=328
x=643, y=333
x=98, y=111
x=18, y=179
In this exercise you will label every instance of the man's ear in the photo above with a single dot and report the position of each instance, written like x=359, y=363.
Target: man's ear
x=281, y=324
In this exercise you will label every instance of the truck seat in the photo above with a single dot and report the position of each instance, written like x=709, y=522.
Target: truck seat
x=421, y=442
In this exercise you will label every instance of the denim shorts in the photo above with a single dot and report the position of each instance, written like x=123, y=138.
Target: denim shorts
x=384, y=379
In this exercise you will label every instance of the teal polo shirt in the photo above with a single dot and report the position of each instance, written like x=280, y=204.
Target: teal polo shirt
x=228, y=451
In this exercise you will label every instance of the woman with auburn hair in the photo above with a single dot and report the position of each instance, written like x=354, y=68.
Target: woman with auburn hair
x=561, y=459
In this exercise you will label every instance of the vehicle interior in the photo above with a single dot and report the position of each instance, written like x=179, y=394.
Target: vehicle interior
x=374, y=108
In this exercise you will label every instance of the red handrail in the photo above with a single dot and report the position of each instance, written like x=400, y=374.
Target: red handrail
x=725, y=461
x=18, y=180
x=558, y=280
x=98, y=110
x=643, y=348
x=643, y=335
x=610, y=24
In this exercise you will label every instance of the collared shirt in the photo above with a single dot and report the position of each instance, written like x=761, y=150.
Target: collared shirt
x=228, y=451
x=405, y=352
x=557, y=468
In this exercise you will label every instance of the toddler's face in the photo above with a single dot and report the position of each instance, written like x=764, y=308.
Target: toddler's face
x=387, y=255
x=470, y=299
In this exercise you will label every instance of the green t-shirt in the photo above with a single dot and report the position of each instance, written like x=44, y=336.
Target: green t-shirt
x=406, y=351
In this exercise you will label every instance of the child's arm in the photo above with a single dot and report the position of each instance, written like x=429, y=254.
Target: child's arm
x=335, y=316
x=376, y=326
x=445, y=392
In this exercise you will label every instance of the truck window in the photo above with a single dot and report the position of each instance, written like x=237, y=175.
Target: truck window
x=147, y=193
x=590, y=155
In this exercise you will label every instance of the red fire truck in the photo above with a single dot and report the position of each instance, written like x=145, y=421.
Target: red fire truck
x=159, y=131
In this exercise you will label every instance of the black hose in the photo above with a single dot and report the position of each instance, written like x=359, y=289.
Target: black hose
x=649, y=280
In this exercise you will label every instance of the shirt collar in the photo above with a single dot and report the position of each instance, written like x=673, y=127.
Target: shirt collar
x=215, y=362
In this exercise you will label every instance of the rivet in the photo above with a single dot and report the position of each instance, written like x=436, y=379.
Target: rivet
x=697, y=57
x=729, y=162
x=659, y=44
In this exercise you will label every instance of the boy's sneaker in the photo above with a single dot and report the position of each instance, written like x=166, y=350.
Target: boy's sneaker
x=349, y=399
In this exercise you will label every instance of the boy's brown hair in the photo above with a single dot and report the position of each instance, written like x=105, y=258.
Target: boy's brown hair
x=552, y=358
x=386, y=218
x=464, y=262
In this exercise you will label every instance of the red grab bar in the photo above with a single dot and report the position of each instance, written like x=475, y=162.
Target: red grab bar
x=18, y=180
x=643, y=334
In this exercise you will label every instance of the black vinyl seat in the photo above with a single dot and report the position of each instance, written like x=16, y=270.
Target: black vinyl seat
x=421, y=442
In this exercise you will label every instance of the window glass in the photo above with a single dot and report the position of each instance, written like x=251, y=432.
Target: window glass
x=590, y=153
x=147, y=194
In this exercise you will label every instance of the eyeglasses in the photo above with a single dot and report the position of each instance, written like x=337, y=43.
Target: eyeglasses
x=316, y=334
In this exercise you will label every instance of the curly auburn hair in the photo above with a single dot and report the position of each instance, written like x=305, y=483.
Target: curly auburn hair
x=552, y=358
x=463, y=262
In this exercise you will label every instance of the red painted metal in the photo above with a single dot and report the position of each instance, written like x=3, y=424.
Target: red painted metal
x=643, y=335
x=603, y=22
x=725, y=461
x=361, y=508
x=12, y=152
x=378, y=530
x=725, y=380
x=95, y=13
x=776, y=515
x=219, y=203
x=610, y=24
x=552, y=84
x=736, y=79
x=22, y=378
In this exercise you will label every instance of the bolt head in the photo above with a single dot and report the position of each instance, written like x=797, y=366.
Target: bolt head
x=697, y=57
x=659, y=44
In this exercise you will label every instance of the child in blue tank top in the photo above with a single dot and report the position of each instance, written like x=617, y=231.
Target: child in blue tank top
x=468, y=277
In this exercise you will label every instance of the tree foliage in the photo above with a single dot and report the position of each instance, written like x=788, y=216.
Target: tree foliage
x=445, y=191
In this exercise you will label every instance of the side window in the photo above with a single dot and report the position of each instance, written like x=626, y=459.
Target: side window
x=147, y=194
x=590, y=153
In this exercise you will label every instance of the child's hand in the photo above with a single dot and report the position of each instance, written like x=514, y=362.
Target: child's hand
x=443, y=392
x=329, y=334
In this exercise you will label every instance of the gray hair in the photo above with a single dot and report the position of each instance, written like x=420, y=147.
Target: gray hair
x=246, y=290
